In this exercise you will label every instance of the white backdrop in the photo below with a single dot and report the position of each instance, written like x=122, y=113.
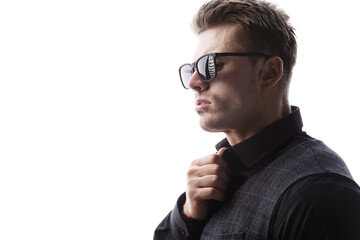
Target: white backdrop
x=96, y=132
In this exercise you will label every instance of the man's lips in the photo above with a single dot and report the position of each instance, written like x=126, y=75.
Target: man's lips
x=201, y=105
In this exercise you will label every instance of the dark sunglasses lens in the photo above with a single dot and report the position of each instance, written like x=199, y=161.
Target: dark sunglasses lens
x=206, y=67
x=186, y=72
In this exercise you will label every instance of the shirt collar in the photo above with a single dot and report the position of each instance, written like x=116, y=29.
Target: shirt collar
x=246, y=153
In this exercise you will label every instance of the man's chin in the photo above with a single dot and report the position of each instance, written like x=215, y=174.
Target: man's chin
x=210, y=125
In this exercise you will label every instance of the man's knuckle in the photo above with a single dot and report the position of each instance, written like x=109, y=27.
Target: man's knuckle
x=191, y=171
x=215, y=179
x=191, y=193
x=217, y=168
x=212, y=158
x=211, y=192
x=191, y=182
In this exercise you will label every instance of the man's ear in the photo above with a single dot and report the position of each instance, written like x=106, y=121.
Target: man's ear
x=272, y=72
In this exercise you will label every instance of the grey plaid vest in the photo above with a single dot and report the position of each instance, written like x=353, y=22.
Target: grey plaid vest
x=247, y=214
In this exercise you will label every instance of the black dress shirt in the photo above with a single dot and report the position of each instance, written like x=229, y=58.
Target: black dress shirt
x=321, y=206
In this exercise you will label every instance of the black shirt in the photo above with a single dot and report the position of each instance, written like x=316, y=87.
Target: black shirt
x=321, y=206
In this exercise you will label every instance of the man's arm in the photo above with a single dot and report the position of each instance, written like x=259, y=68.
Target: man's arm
x=322, y=206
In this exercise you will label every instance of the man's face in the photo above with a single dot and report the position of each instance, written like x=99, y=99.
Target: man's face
x=230, y=102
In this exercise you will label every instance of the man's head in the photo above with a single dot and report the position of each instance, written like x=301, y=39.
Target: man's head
x=268, y=28
x=243, y=92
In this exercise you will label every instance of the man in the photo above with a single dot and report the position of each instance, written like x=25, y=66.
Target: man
x=269, y=179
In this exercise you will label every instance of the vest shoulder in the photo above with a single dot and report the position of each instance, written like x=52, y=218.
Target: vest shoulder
x=310, y=157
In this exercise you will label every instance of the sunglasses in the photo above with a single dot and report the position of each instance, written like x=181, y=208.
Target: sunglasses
x=205, y=66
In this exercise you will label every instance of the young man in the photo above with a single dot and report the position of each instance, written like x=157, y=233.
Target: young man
x=269, y=179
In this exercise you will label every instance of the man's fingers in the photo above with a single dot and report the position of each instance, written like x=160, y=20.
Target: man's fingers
x=208, y=193
x=210, y=169
x=213, y=181
x=213, y=159
x=207, y=179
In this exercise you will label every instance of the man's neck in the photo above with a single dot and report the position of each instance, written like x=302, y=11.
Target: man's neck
x=268, y=117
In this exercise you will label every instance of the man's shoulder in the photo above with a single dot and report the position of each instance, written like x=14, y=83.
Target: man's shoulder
x=325, y=192
x=316, y=186
x=310, y=156
x=305, y=145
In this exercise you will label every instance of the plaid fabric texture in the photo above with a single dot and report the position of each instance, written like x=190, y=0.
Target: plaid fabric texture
x=247, y=214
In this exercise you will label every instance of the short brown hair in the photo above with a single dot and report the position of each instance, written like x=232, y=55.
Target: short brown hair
x=268, y=27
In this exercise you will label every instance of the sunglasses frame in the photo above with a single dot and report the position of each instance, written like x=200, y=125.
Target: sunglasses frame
x=194, y=65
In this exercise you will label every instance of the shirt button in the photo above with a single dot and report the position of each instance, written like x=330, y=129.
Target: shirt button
x=182, y=231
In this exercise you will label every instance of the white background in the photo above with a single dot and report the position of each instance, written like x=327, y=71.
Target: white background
x=96, y=132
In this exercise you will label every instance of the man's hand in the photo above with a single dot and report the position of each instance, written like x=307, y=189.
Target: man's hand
x=207, y=179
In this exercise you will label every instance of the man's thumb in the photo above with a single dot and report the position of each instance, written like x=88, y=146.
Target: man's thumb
x=221, y=151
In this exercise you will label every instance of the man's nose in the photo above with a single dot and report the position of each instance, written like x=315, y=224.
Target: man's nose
x=196, y=84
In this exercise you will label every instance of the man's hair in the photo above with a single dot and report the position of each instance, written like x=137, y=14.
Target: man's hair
x=268, y=27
